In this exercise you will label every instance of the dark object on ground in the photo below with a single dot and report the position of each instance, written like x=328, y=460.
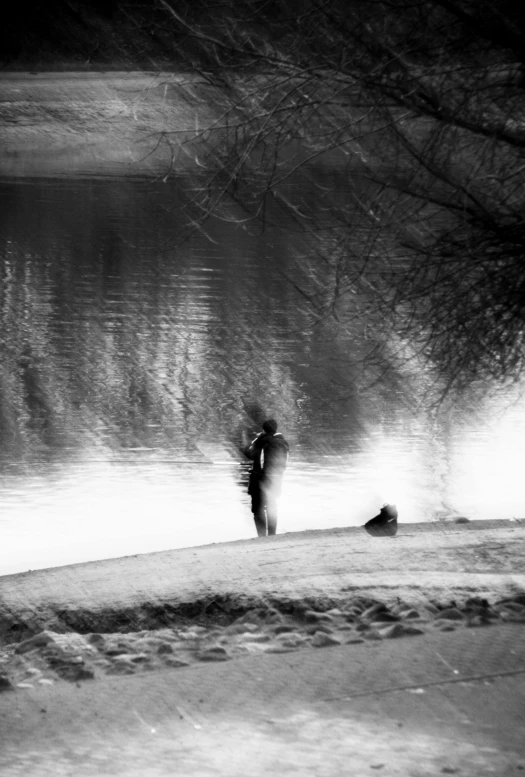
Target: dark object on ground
x=384, y=524
x=5, y=685
x=461, y=519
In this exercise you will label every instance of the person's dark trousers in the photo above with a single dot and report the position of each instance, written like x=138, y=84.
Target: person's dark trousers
x=271, y=515
x=260, y=523
x=264, y=493
x=271, y=490
x=258, y=508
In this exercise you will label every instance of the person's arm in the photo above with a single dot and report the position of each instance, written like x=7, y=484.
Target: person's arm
x=252, y=449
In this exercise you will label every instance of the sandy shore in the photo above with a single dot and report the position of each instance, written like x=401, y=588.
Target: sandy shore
x=324, y=652
x=290, y=591
x=320, y=649
x=424, y=561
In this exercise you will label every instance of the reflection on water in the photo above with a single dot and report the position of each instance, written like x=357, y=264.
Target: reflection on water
x=487, y=461
x=132, y=361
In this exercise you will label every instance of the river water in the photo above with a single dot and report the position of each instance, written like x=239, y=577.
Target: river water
x=133, y=361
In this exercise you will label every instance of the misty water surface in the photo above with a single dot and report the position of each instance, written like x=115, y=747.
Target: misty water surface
x=132, y=361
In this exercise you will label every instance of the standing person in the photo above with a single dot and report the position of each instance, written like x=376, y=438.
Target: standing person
x=269, y=452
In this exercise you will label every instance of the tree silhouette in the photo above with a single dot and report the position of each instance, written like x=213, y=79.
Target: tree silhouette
x=407, y=120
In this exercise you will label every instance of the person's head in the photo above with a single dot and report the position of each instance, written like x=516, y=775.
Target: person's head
x=270, y=426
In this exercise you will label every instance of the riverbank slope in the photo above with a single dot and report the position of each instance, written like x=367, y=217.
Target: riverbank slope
x=325, y=652
x=429, y=560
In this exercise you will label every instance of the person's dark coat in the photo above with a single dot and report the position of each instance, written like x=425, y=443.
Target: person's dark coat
x=269, y=453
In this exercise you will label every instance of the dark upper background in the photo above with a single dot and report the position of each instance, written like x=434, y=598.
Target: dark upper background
x=86, y=34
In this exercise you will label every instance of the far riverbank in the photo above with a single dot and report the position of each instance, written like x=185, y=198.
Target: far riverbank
x=107, y=124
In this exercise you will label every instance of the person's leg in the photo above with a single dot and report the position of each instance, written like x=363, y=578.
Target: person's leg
x=272, y=517
x=271, y=493
x=260, y=523
x=259, y=512
x=272, y=523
